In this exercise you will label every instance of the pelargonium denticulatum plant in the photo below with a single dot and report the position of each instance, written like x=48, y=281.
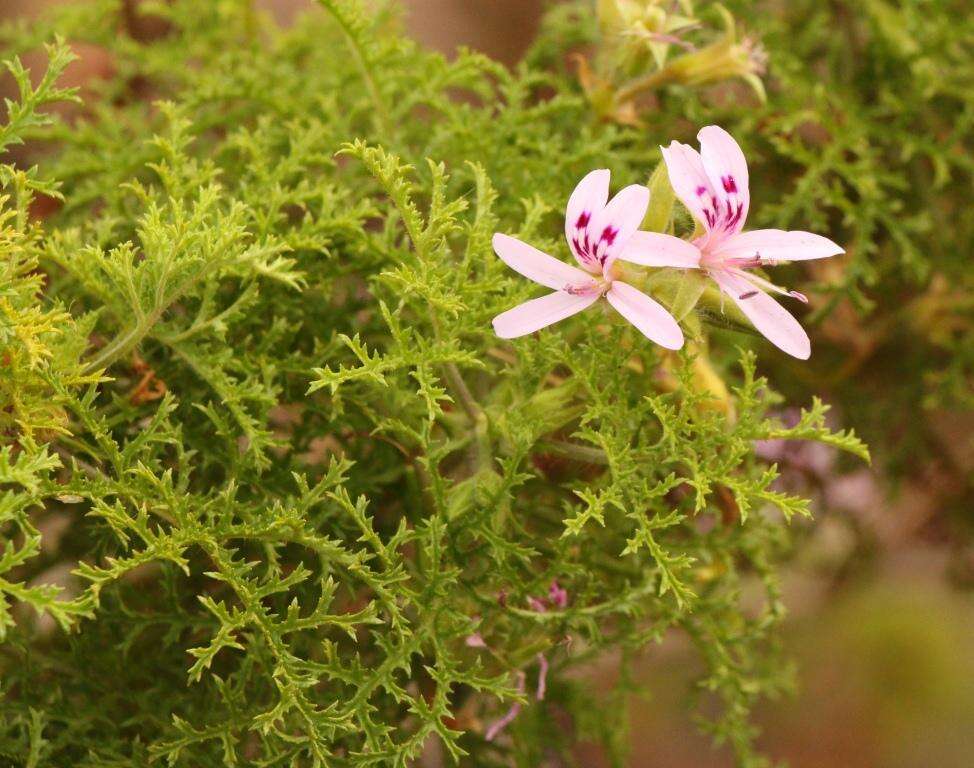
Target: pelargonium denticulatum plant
x=294, y=470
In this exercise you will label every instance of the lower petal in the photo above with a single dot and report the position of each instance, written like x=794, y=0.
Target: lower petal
x=771, y=245
x=536, y=314
x=768, y=316
x=654, y=249
x=647, y=314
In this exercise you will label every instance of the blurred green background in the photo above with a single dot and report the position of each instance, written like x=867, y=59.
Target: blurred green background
x=882, y=621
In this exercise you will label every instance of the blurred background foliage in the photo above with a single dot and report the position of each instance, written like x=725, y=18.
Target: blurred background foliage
x=857, y=120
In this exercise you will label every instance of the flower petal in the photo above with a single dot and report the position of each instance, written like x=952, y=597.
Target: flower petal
x=590, y=194
x=536, y=314
x=612, y=227
x=647, y=314
x=726, y=168
x=538, y=266
x=768, y=316
x=589, y=197
x=772, y=245
x=654, y=249
x=689, y=180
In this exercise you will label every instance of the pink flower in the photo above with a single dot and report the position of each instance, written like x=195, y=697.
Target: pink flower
x=557, y=595
x=536, y=605
x=598, y=231
x=713, y=185
x=542, y=677
x=515, y=708
x=511, y=713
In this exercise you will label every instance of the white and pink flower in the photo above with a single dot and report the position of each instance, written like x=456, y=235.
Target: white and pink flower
x=713, y=185
x=598, y=232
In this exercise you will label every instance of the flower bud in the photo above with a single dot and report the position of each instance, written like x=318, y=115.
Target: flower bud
x=724, y=59
x=643, y=25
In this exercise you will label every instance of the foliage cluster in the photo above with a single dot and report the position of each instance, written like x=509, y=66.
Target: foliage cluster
x=258, y=428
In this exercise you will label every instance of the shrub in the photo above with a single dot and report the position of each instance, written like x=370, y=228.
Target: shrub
x=315, y=512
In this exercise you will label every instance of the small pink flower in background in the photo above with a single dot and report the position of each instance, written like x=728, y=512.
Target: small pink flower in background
x=536, y=605
x=475, y=641
x=858, y=492
x=557, y=596
x=804, y=457
x=598, y=231
x=713, y=184
x=542, y=677
x=515, y=709
x=498, y=726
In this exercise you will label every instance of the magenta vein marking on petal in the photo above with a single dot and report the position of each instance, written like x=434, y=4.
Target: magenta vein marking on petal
x=737, y=215
x=748, y=295
x=583, y=219
x=577, y=290
x=701, y=191
x=606, y=239
x=730, y=185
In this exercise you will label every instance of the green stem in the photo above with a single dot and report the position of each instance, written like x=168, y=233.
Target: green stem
x=115, y=349
x=361, y=60
x=640, y=84
x=462, y=391
x=575, y=451
x=481, y=449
